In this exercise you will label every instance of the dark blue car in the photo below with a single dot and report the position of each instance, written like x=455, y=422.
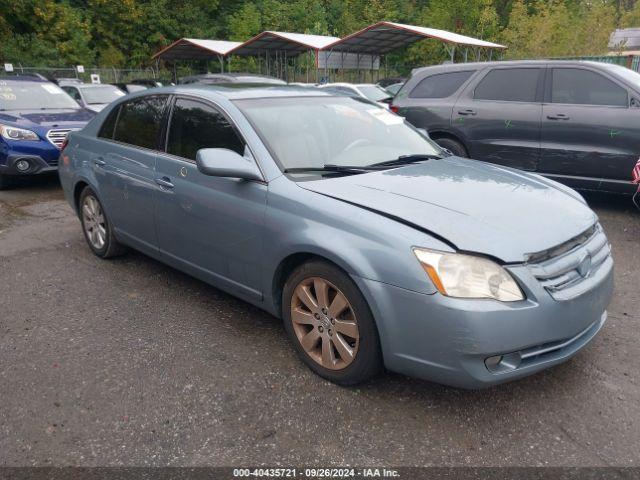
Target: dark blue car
x=35, y=118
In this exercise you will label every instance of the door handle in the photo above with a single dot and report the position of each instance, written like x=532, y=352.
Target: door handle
x=165, y=182
x=468, y=111
x=99, y=162
x=558, y=116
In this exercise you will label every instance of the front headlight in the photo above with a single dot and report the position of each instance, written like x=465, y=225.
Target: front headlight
x=467, y=276
x=14, y=133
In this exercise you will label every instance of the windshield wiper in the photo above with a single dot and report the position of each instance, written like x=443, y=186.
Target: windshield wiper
x=329, y=168
x=355, y=169
x=407, y=159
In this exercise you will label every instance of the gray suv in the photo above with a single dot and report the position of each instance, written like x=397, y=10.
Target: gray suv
x=574, y=121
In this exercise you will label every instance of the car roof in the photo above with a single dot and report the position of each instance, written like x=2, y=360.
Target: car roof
x=91, y=85
x=451, y=67
x=23, y=78
x=237, y=91
x=338, y=84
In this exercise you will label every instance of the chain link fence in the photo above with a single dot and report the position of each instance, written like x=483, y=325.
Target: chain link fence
x=105, y=75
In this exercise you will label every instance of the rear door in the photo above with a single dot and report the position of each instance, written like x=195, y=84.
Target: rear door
x=499, y=116
x=427, y=103
x=209, y=226
x=590, y=134
x=125, y=168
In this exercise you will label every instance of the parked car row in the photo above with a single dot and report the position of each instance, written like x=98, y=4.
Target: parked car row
x=377, y=246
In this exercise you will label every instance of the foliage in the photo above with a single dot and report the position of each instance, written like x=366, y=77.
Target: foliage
x=125, y=33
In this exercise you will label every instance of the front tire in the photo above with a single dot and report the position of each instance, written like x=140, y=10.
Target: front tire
x=97, y=229
x=453, y=146
x=330, y=324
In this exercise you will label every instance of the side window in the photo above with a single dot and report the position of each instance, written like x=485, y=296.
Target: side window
x=583, y=87
x=440, y=86
x=73, y=93
x=106, y=130
x=139, y=121
x=195, y=125
x=509, y=85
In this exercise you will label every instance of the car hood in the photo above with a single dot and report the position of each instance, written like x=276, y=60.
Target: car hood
x=473, y=205
x=48, y=118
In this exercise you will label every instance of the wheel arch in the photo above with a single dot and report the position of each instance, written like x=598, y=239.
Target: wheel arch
x=292, y=261
x=442, y=133
x=77, y=191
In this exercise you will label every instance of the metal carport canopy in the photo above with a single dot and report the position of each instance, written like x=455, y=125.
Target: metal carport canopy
x=196, y=49
x=291, y=43
x=384, y=37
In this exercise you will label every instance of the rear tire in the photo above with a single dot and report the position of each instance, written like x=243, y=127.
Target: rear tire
x=6, y=182
x=453, y=146
x=338, y=340
x=97, y=229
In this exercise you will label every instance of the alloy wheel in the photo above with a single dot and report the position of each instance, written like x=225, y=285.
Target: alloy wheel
x=324, y=323
x=94, y=222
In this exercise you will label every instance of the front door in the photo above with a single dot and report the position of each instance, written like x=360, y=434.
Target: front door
x=590, y=132
x=499, y=116
x=209, y=226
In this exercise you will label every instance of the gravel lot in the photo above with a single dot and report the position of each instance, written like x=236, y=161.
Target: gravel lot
x=129, y=362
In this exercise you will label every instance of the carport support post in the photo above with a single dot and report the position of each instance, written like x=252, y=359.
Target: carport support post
x=221, y=61
x=372, y=58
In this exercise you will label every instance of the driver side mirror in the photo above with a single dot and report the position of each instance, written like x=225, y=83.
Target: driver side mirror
x=222, y=162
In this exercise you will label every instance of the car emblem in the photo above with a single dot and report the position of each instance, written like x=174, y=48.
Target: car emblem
x=183, y=172
x=584, y=267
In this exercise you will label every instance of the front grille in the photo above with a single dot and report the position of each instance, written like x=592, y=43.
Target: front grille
x=565, y=268
x=58, y=136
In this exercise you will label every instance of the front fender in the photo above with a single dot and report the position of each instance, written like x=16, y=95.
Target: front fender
x=361, y=242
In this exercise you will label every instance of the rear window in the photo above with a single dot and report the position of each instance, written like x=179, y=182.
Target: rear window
x=583, y=87
x=95, y=95
x=139, y=121
x=441, y=85
x=509, y=85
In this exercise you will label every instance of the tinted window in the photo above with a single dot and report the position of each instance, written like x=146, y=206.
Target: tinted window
x=73, y=92
x=510, y=85
x=106, y=130
x=440, y=86
x=139, y=121
x=577, y=86
x=195, y=125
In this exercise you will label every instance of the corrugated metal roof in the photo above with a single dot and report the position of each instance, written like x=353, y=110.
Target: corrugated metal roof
x=196, y=49
x=292, y=43
x=625, y=39
x=376, y=39
x=384, y=37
